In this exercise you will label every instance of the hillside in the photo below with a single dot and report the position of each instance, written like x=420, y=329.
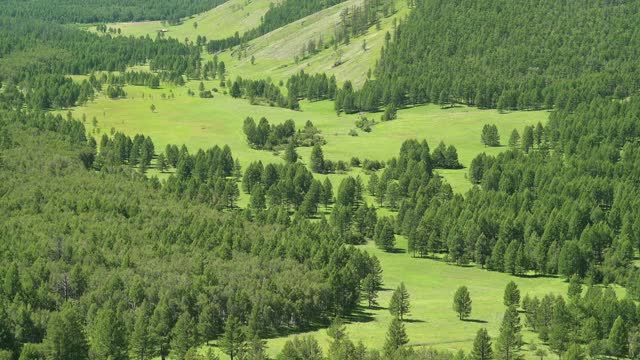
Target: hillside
x=219, y=22
x=275, y=53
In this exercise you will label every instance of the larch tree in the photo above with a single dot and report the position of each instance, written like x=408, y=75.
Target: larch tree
x=399, y=305
x=482, y=349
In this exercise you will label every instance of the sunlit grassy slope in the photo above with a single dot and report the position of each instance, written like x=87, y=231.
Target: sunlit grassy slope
x=203, y=123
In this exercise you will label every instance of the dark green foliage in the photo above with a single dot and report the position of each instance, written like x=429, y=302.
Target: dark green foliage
x=482, y=349
x=396, y=337
x=266, y=136
x=511, y=295
x=65, y=335
x=108, y=336
x=490, y=136
x=317, y=159
x=462, y=302
x=443, y=53
x=399, y=305
x=618, y=344
x=301, y=348
x=93, y=11
x=509, y=341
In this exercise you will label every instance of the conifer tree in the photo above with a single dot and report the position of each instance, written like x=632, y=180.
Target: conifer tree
x=140, y=340
x=232, y=342
x=184, y=336
x=399, y=305
x=510, y=340
x=511, y=295
x=618, y=338
x=482, y=349
x=396, y=337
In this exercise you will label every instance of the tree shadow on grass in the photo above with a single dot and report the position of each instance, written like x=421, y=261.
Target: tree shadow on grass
x=478, y=321
x=397, y=251
x=413, y=321
x=360, y=315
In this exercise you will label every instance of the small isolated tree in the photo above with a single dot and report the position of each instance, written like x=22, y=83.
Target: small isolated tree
x=462, y=302
x=490, y=136
x=399, y=305
x=370, y=289
x=482, y=346
x=253, y=60
x=396, y=338
x=153, y=108
x=512, y=295
x=162, y=163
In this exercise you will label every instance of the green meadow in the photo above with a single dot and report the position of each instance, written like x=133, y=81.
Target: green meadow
x=203, y=123
x=432, y=321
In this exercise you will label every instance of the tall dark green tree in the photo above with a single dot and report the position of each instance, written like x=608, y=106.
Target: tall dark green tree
x=511, y=295
x=399, y=306
x=317, y=159
x=108, y=336
x=482, y=349
x=396, y=338
x=510, y=340
x=233, y=340
x=184, y=337
x=65, y=338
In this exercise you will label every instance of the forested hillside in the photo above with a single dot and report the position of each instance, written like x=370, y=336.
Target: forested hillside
x=92, y=11
x=493, y=54
x=124, y=262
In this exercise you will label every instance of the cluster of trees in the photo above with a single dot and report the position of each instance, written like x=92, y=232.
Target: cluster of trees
x=267, y=136
x=565, y=207
x=39, y=71
x=278, y=15
x=313, y=87
x=93, y=11
x=122, y=272
x=356, y=20
x=490, y=135
x=256, y=90
x=121, y=149
x=604, y=324
x=534, y=61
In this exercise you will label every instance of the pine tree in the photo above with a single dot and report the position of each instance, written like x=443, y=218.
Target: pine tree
x=232, y=342
x=65, y=335
x=290, y=154
x=396, y=337
x=258, y=198
x=327, y=193
x=317, y=159
x=140, y=340
x=108, y=336
x=618, y=344
x=512, y=295
x=370, y=288
x=482, y=346
x=184, y=336
x=514, y=139
x=574, y=352
x=510, y=340
x=462, y=302
x=162, y=163
x=399, y=305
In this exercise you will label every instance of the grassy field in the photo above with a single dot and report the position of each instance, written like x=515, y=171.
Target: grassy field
x=432, y=322
x=217, y=23
x=275, y=52
x=203, y=123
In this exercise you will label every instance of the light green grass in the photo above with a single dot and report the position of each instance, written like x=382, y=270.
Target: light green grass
x=432, y=322
x=275, y=52
x=220, y=22
x=203, y=123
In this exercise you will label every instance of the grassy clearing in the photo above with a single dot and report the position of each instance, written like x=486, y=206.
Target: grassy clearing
x=203, y=123
x=275, y=51
x=432, y=322
x=217, y=23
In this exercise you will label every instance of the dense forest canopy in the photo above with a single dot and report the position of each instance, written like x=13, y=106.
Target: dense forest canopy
x=93, y=11
x=493, y=54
